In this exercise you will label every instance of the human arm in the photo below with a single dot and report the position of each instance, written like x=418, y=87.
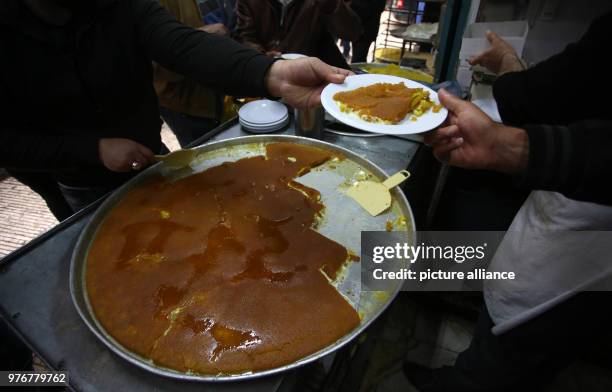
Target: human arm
x=39, y=151
x=573, y=160
x=22, y=146
x=163, y=75
x=223, y=64
x=301, y=81
x=562, y=89
x=215, y=61
x=500, y=57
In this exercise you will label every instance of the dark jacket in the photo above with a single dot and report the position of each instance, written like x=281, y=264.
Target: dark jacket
x=562, y=104
x=303, y=26
x=64, y=88
x=174, y=91
x=369, y=12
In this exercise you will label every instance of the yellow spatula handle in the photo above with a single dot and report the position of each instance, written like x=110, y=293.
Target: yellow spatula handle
x=396, y=179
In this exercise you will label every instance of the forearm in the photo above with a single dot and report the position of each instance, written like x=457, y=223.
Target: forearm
x=37, y=151
x=510, y=62
x=254, y=45
x=213, y=60
x=573, y=160
x=510, y=150
x=545, y=93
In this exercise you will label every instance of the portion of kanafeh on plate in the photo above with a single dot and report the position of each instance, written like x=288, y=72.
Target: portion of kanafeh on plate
x=386, y=103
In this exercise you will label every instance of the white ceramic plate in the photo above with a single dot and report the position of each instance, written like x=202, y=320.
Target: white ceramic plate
x=263, y=111
x=292, y=56
x=424, y=123
x=265, y=129
x=242, y=121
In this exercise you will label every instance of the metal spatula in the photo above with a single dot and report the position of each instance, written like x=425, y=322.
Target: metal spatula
x=178, y=158
x=375, y=197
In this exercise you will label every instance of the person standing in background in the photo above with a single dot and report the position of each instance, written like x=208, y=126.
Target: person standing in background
x=219, y=11
x=308, y=27
x=369, y=12
x=189, y=108
x=558, y=244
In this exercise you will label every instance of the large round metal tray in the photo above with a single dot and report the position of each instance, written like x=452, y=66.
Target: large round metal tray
x=343, y=222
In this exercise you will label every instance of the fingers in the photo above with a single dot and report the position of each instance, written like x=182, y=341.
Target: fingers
x=441, y=135
x=342, y=71
x=139, y=158
x=479, y=58
x=443, y=151
x=315, y=97
x=452, y=103
x=146, y=153
x=327, y=72
x=492, y=37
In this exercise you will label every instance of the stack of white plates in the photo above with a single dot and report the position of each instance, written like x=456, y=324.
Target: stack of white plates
x=263, y=116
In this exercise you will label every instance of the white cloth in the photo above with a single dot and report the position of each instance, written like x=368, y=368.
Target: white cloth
x=557, y=247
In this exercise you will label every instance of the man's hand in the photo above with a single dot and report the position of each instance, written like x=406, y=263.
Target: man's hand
x=500, y=58
x=300, y=82
x=216, y=28
x=472, y=140
x=122, y=155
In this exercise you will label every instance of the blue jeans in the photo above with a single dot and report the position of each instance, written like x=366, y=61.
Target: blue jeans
x=187, y=128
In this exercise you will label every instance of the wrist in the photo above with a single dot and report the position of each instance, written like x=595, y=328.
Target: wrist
x=511, y=150
x=272, y=80
x=510, y=63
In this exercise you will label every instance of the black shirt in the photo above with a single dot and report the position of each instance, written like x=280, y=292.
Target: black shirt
x=64, y=88
x=562, y=103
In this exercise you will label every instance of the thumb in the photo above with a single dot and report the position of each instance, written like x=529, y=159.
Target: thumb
x=336, y=78
x=146, y=152
x=327, y=72
x=451, y=102
x=492, y=37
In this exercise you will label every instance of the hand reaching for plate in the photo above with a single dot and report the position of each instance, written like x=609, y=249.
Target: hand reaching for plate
x=472, y=140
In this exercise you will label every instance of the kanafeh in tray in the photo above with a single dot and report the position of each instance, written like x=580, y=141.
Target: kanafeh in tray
x=222, y=272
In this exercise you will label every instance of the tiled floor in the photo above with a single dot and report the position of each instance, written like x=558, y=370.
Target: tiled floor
x=417, y=333
x=421, y=333
x=23, y=215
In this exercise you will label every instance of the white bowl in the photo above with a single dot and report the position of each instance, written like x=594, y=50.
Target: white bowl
x=263, y=125
x=265, y=129
x=263, y=112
